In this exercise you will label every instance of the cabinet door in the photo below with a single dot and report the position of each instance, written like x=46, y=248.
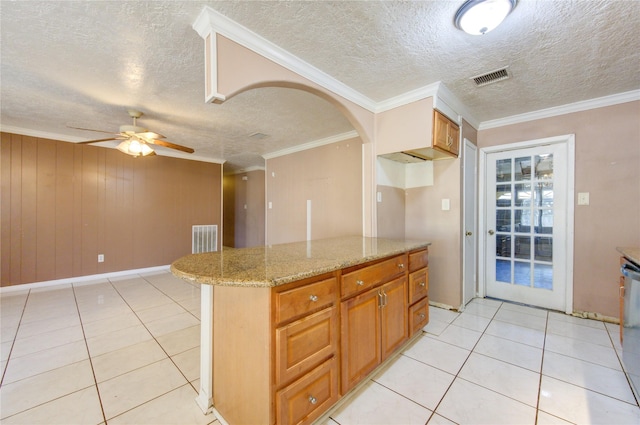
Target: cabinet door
x=360, y=343
x=454, y=134
x=440, y=131
x=394, y=327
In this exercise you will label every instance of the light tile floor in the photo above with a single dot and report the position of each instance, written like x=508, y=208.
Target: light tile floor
x=126, y=351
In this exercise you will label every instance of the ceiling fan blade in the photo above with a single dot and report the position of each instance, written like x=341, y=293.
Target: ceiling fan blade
x=97, y=140
x=90, y=129
x=171, y=145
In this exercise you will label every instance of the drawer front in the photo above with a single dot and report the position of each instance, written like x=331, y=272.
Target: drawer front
x=418, y=316
x=418, y=285
x=299, y=301
x=305, y=343
x=309, y=397
x=418, y=260
x=368, y=277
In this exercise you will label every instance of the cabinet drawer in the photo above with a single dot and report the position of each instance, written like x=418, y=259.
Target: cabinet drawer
x=305, y=343
x=418, y=316
x=368, y=277
x=299, y=301
x=418, y=285
x=418, y=260
x=309, y=397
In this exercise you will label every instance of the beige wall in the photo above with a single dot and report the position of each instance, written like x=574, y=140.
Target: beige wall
x=331, y=177
x=607, y=165
x=244, y=209
x=63, y=204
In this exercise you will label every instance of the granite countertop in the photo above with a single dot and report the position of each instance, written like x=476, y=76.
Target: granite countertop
x=632, y=253
x=268, y=266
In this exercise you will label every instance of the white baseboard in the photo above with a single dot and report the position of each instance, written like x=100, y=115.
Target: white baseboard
x=80, y=279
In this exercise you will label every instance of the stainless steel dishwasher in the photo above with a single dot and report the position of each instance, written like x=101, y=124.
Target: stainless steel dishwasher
x=631, y=324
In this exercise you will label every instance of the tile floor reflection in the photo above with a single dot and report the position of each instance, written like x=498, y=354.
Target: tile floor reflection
x=126, y=351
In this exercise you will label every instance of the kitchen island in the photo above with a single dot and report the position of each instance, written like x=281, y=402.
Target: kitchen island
x=294, y=327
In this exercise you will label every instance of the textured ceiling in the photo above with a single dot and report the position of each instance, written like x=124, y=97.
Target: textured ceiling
x=83, y=63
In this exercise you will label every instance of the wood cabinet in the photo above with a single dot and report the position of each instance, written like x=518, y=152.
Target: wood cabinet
x=373, y=323
x=286, y=354
x=446, y=134
x=306, y=346
x=418, y=290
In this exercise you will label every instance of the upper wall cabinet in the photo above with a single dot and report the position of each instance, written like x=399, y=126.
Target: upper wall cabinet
x=446, y=134
x=417, y=131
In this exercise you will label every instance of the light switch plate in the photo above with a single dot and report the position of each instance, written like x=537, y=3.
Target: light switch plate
x=583, y=198
x=446, y=205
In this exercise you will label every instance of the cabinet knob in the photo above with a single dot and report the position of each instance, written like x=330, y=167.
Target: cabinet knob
x=468, y=234
x=359, y=282
x=423, y=284
x=422, y=316
x=491, y=232
x=313, y=298
x=312, y=399
x=401, y=265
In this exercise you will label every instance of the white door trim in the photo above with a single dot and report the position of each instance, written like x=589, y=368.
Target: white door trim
x=569, y=139
x=469, y=144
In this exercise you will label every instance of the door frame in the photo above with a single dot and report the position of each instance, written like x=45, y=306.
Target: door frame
x=465, y=206
x=569, y=140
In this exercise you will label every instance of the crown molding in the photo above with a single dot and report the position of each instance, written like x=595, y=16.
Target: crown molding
x=316, y=143
x=212, y=20
x=555, y=111
x=72, y=139
x=39, y=134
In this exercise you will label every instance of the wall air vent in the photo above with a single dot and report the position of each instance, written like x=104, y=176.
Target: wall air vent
x=491, y=77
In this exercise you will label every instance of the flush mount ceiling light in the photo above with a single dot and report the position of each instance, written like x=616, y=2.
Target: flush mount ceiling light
x=478, y=17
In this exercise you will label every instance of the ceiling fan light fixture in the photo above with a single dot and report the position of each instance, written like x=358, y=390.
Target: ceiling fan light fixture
x=134, y=148
x=478, y=17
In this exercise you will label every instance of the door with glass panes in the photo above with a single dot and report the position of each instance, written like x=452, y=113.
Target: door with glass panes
x=526, y=210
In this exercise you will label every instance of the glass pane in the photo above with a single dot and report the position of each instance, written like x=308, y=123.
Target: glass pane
x=522, y=222
x=503, y=195
x=503, y=271
x=503, y=246
x=543, y=221
x=544, y=166
x=523, y=168
x=523, y=247
x=544, y=249
x=543, y=194
x=503, y=170
x=522, y=273
x=503, y=220
x=523, y=195
x=543, y=276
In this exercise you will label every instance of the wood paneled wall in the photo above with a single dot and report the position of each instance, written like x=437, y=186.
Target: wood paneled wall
x=63, y=204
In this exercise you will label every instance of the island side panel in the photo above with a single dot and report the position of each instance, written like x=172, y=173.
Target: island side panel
x=242, y=354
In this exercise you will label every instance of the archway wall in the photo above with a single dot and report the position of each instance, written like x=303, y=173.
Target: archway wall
x=238, y=69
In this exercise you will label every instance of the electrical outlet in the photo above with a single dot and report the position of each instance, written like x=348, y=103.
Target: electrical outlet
x=100, y=258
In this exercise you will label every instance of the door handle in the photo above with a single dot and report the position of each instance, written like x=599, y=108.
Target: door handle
x=491, y=232
x=468, y=234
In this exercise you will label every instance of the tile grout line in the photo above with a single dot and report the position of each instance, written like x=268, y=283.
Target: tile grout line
x=152, y=335
x=86, y=344
x=15, y=337
x=456, y=376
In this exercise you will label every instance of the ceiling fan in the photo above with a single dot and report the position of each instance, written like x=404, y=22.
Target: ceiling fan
x=136, y=140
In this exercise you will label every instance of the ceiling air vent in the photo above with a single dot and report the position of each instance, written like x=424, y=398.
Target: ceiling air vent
x=491, y=77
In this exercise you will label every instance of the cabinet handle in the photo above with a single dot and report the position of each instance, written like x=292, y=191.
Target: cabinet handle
x=423, y=284
x=621, y=292
x=313, y=298
x=312, y=399
x=359, y=282
x=384, y=298
x=380, y=299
